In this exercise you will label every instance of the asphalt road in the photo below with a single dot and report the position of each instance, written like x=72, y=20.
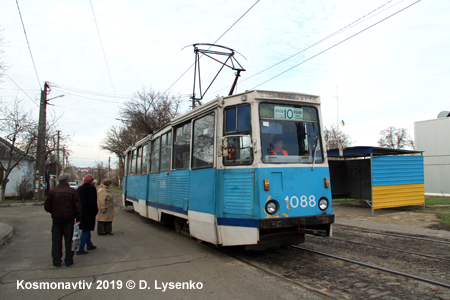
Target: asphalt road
x=142, y=259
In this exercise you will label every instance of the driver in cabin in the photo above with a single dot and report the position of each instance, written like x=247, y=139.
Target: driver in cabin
x=277, y=148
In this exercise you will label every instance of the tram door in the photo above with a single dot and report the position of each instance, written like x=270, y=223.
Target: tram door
x=238, y=180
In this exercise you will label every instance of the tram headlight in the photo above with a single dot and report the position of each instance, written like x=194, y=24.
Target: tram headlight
x=323, y=203
x=271, y=207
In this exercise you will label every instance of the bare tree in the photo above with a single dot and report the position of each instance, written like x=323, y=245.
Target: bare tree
x=117, y=140
x=100, y=172
x=335, y=138
x=20, y=132
x=51, y=148
x=149, y=111
x=146, y=113
x=395, y=138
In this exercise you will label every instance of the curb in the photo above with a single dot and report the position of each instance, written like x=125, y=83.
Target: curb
x=20, y=204
x=7, y=234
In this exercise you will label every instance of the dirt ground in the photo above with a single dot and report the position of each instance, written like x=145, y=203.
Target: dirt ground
x=397, y=216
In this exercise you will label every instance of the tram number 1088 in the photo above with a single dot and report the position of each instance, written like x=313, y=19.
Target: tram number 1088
x=304, y=201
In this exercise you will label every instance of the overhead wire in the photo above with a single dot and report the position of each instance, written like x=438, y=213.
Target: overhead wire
x=34, y=101
x=333, y=46
x=190, y=67
x=103, y=50
x=343, y=29
x=78, y=90
x=28, y=43
x=85, y=112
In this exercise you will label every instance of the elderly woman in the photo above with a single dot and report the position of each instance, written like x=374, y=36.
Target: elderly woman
x=106, y=212
x=88, y=197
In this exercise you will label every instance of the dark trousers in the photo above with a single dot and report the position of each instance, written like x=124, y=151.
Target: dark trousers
x=62, y=229
x=104, y=227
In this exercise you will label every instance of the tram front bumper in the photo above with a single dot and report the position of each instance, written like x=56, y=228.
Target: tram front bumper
x=316, y=225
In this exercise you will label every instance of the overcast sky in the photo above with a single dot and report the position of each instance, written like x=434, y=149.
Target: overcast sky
x=394, y=73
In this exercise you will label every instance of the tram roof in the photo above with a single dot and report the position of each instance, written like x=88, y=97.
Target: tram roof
x=219, y=101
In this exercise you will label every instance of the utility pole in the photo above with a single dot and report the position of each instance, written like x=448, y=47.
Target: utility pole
x=109, y=167
x=63, y=160
x=39, y=175
x=57, y=159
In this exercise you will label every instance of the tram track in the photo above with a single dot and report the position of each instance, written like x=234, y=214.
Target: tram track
x=392, y=234
x=362, y=265
x=392, y=249
x=374, y=267
x=336, y=277
x=276, y=275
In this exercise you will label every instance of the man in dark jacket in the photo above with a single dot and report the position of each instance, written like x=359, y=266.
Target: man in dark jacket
x=88, y=197
x=64, y=205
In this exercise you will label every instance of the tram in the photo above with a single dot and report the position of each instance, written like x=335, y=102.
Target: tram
x=248, y=169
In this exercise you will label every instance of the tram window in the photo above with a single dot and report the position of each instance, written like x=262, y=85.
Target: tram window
x=166, y=143
x=127, y=163
x=181, y=147
x=139, y=160
x=144, y=159
x=155, y=156
x=133, y=163
x=203, y=142
x=237, y=119
x=240, y=151
x=298, y=129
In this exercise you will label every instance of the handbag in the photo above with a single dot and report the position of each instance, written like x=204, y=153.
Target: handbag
x=76, y=237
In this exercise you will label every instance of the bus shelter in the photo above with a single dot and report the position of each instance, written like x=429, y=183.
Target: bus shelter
x=382, y=177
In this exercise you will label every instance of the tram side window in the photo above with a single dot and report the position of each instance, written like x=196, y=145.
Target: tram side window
x=166, y=145
x=144, y=159
x=127, y=164
x=133, y=163
x=138, y=160
x=181, y=147
x=203, y=142
x=155, y=156
x=237, y=119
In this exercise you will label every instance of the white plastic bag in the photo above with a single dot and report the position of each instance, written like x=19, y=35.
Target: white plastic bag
x=76, y=237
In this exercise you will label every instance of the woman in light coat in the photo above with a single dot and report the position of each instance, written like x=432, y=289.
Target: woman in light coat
x=106, y=212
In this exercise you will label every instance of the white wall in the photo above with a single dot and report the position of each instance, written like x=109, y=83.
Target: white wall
x=433, y=137
x=25, y=168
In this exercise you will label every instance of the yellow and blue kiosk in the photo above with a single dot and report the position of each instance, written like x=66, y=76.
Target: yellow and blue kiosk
x=382, y=177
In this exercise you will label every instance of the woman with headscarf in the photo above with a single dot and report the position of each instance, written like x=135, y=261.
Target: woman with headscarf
x=106, y=212
x=88, y=197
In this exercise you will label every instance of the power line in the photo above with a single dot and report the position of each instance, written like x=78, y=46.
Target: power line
x=29, y=48
x=34, y=101
x=103, y=50
x=85, y=112
x=85, y=97
x=184, y=73
x=329, y=48
x=322, y=40
x=78, y=90
x=343, y=29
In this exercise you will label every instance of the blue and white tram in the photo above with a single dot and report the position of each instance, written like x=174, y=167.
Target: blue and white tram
x=248, y=169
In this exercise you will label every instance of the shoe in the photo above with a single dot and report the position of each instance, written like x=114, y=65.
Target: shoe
x=82, y=252
x=92, y=248
x=56, y=264
x=101, y=233
x=68, y=264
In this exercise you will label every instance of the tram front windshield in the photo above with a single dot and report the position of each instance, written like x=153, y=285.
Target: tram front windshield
x=290, y=134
